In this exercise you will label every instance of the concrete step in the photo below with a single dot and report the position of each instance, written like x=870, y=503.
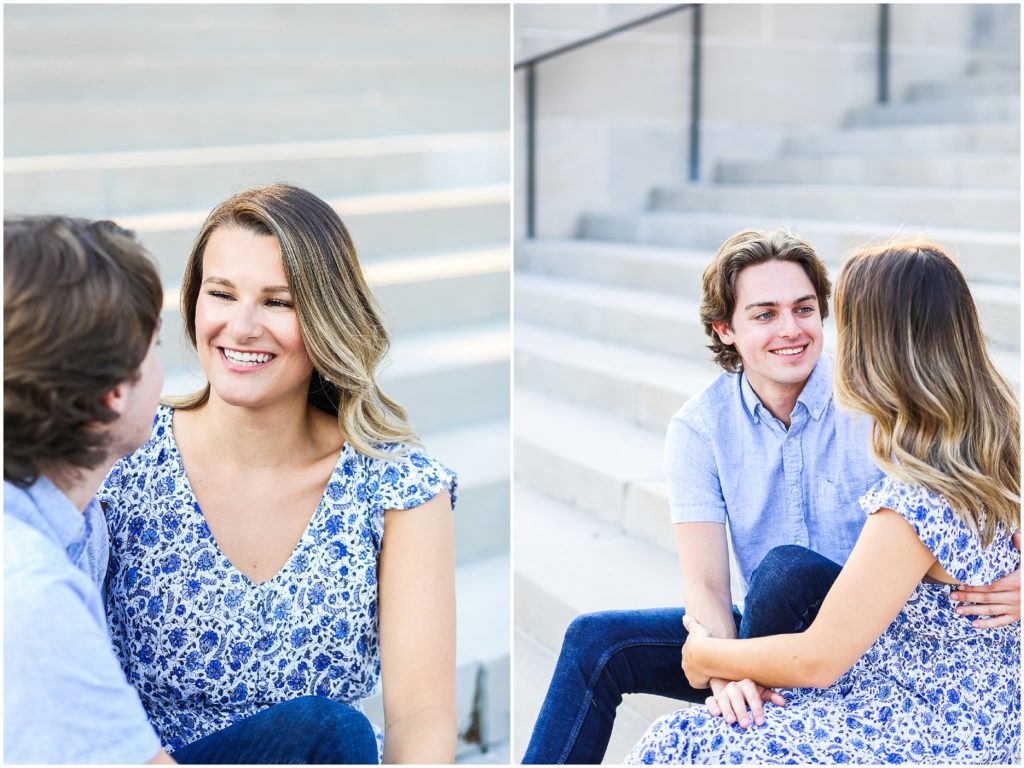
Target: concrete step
x=670, y=324
x=444, y=379
x=197, y=80
x=586, y=459
x=215, y=32
x=643, y=389
x=534, y=665
x=983, y=255
x=673, y=270
x=116, y=125
x=567, y=563
x=914, y=140
x=441, y=290
x=679, y=273
x=119, y=183
x=479, y=453
x=991, y=170
x=994, y=83
x=639, y=318
x=482, y=677
x=382, y=226
x=915, y=206
x=954, y=110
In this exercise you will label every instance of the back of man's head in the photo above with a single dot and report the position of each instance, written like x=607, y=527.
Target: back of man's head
x=746, y=249
x=81, y=304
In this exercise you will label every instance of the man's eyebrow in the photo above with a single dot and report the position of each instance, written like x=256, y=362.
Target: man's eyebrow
x=229, y=284
x=801, y=300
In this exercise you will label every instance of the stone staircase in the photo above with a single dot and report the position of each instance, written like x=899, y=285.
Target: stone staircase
x=608, y=343
x=398, y=116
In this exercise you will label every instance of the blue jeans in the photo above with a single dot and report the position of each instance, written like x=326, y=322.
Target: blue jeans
x=310, y=729
x=605, y=655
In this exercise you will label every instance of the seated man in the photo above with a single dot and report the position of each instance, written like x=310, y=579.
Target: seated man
x=764, y=448
x=81, y=383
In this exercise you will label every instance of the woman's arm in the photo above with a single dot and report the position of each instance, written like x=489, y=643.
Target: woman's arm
x=417, y=633
x=884, y=568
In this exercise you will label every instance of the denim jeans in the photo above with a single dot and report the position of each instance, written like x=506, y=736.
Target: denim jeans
x=605, y=655
x=309, y=729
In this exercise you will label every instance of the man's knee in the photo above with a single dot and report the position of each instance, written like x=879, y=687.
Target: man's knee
x=339, y=723
x=589, y=636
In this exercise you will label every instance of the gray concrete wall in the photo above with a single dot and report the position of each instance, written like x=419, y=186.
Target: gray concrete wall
x=613, y=117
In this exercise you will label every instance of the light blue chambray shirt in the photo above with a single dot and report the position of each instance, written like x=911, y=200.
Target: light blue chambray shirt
x=66, y=699
x=728, y=459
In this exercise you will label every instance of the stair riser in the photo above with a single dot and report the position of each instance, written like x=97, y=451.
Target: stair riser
x=42, y=129
x=979, y=259
x=642, y=404
x=998, y=172
x=874, y=205
x=946, y=111
x=114, y=191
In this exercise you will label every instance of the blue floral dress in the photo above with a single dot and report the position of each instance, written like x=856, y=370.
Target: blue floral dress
x=932, y=689
x=206, y=647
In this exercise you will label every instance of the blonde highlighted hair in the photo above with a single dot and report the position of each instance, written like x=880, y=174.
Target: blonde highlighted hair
x=911, y=355
x=341, y=327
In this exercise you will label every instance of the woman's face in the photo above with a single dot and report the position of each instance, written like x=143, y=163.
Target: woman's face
x=247, y=332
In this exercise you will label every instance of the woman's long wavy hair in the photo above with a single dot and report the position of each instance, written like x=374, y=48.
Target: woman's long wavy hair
x=341, y=327
x=910, y=354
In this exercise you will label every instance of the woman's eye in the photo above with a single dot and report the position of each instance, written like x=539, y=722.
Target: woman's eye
x=219, y=295
x=279, y=303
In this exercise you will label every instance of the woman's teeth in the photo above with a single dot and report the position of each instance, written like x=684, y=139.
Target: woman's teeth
x=246, y=358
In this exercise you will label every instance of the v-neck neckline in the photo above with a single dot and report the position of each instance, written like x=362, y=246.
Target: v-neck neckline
x=169, y=411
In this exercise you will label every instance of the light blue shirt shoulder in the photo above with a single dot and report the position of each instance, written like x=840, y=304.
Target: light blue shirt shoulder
x=66, y=699
x=729, y=460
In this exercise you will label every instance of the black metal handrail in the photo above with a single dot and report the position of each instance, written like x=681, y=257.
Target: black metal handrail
x=530, y=65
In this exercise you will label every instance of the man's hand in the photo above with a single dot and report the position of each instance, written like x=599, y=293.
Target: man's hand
x=999, y=601
x=695, y=633
x=731, y=700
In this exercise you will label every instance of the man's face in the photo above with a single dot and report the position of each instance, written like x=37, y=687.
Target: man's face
x=776, y=328
x=138, y=403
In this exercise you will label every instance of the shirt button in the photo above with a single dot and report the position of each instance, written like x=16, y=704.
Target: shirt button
x=794, y=490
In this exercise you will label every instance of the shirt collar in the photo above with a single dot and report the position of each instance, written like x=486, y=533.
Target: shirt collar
x=815, y=395
x=45, y=507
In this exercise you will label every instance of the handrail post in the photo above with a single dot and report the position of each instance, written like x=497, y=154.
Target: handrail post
x=531, y=152
x=883, y=53
x=695, y=95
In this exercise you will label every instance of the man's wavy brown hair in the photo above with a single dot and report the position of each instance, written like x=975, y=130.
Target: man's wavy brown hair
x=742, y=250
x=81, y=304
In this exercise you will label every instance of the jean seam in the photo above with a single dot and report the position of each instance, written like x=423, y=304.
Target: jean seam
x=591, y=683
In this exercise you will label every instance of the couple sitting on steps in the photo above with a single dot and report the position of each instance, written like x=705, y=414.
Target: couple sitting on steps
x=876, y=532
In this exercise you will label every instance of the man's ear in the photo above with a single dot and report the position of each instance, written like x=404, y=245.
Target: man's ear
x=724, y=331
x=116, y=399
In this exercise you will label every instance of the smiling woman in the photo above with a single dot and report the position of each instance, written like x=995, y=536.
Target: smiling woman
x=293, y=537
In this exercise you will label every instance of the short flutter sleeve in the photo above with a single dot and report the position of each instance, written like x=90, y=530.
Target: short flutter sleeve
x=947, y=536
x=412, y=478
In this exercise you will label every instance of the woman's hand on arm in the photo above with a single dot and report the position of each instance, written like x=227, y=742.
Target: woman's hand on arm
x=416, y=594
x=703, y=552
x=729, y=700
x=998, y=603
x=883, y=570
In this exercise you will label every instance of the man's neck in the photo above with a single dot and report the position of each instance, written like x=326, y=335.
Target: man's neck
x=780, y=400
x=79, y=485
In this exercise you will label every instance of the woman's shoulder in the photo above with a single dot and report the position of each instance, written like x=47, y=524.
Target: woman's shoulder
x=401, y=475
x=954, y=543
x=134, y=469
